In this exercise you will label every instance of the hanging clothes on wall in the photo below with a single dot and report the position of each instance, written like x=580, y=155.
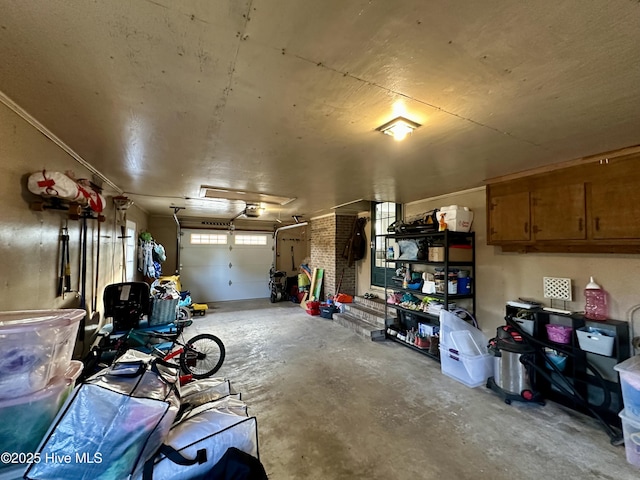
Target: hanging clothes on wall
x=355, y=247
x=150, y=256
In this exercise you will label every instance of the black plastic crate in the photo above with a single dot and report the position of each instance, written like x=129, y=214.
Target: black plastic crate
x=327, y=311
x=409, y=320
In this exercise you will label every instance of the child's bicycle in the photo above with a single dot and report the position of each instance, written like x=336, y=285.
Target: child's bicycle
x=199, y=357
x=126, y=304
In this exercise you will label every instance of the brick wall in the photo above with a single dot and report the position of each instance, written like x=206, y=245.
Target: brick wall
x=344, y=227
x=329, y=236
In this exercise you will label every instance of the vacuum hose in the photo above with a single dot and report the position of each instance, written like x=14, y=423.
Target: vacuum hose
x=566, y=387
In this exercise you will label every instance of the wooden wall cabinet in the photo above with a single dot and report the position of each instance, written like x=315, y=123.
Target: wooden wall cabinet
x=615, y=208
x=590, y=207
x=553, y=223
x=509, y=218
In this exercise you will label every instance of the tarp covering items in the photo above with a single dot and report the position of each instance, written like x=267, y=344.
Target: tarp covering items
x=111, y=425
x=207, y=431
x=203, y=391
x=130, y=421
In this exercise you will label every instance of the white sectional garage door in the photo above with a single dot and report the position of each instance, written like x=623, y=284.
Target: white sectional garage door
x=234, y=268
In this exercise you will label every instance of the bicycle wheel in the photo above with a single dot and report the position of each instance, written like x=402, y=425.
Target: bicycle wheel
x=202, y=356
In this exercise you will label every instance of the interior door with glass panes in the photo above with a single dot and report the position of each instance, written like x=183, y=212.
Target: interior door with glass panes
x=383, y=214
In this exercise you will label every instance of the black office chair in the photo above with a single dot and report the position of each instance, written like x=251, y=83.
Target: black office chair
x=126, y=304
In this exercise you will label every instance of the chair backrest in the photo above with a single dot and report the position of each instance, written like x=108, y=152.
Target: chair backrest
x=126, y=303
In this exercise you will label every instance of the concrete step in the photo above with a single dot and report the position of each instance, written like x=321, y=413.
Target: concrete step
x=359, y=326
x=372, y=303
x=374, y=317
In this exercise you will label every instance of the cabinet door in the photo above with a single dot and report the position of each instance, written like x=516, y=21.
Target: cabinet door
x=509, y=218
x=558, y=213
x=615, y=209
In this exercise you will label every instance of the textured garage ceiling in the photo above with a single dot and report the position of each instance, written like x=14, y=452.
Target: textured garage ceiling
x=283, y=97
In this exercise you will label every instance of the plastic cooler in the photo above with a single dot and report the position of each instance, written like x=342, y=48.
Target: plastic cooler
x=631, y=432
x=630, y=382
x=35, y=346
x=25, y=420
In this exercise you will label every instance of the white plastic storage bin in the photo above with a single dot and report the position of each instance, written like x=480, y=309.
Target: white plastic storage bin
x=453, y=326
x=595, y=340
x=25, y=420
x=472, y=371
x=630, y=383
x=458, y=219
x=631, y=432
x=35, y=346
x=525, y=324
x=464, y=342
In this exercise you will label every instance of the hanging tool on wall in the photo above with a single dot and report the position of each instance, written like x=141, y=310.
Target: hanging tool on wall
x=67, y=269
x=179, y=235
x=82, y=279
x=122, y=204
x=64, y=281
x=94, y=300
x=293, y=263
x=339, y=282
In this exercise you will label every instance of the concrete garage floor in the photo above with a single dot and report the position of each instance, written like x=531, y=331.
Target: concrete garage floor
x=332, y=405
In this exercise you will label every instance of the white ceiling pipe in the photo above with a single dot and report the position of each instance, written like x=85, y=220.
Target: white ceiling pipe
x=275, y=238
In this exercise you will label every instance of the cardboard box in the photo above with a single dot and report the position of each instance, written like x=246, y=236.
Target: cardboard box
x=458, y=219
x=436, y=254
x=457, y=253
x=460, y=253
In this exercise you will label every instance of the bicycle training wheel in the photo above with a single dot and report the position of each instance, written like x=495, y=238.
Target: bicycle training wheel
x=202, y=356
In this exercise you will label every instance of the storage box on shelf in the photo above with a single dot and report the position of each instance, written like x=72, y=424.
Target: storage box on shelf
x=458, y=219
x=439, y=260
x=457, y=253
x=578, y=354
x=595, y=340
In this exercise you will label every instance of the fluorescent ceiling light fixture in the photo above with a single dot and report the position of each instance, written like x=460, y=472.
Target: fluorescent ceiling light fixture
x=249, y=197
x=398, y=128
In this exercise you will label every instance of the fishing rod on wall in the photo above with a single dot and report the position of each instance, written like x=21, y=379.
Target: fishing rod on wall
x=178, y=236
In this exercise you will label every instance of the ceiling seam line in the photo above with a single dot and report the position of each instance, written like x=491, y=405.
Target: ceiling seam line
x=27, y=117
x=440, y=109
x=232, y=71
x=227, y=89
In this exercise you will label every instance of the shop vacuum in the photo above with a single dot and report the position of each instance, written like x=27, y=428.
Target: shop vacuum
x=513, y=360
x=515, y=353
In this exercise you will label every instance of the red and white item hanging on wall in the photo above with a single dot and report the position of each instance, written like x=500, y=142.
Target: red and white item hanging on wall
x=61, y=185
